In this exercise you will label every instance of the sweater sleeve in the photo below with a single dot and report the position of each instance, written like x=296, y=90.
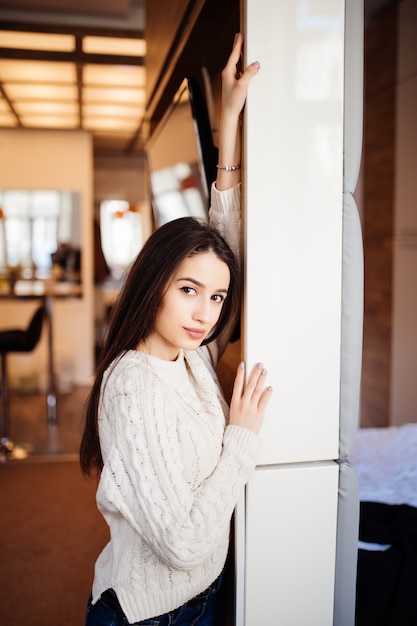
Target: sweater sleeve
x=143, y=479
x=225, y=216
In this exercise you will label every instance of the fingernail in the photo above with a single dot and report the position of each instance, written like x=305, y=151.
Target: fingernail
x=260, y=366
x=256, y=64
x=242, y=365
x=264, y=372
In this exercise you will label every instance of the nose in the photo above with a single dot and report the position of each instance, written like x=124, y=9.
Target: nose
x=202, y=311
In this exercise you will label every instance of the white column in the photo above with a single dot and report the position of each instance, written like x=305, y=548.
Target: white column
x=293, y=181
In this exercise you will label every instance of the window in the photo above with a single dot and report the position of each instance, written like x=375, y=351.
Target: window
x=33, y=226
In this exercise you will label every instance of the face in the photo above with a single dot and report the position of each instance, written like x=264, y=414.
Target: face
x=191, y=305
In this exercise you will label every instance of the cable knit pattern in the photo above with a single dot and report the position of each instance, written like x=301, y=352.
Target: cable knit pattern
x=172, y=470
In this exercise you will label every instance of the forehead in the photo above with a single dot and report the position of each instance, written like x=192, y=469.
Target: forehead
x=206, y=267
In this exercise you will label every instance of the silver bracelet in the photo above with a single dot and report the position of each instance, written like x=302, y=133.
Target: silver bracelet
x=228, y=168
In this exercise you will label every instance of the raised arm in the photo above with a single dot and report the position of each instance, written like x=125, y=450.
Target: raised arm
x=234, y=92
x=225, y=197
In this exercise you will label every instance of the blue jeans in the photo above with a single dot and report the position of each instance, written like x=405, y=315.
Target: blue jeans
x=206, y=609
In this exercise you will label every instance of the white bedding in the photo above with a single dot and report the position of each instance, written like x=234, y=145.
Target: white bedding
x=385, y=460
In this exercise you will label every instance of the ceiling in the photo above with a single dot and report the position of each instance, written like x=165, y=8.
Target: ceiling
x=91, y=77
x=70, y=82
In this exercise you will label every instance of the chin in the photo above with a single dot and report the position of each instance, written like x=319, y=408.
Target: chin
x=192, y=344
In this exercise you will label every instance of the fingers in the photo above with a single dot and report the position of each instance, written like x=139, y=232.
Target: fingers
x=232, y=67
x=239, y=380
x=255, y=384
x=250, y=71
x=236, y=52
x=248, y=403
x=255, y=378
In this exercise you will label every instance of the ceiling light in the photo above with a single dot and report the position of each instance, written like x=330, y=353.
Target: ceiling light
x=36, y=71
x=114, y=110
x=114, y=75
x=7, y=119
x=3, y=105
x=113, y=94
x=48, y=121
x=37, y=41
x=46, y=108
x=112, y=124
x=114, y=45
x=37, y=91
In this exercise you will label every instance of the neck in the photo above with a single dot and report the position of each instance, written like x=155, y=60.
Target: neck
x=148, y=348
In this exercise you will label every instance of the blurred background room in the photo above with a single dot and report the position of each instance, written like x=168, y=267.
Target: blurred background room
x=88, y=91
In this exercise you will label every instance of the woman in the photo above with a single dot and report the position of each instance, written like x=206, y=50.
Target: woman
x=172, y=457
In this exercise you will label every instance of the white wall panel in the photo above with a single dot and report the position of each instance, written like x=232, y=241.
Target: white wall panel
x=293, y=208
x=291, y=520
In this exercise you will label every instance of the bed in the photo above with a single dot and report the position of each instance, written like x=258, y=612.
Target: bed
x=385, y=460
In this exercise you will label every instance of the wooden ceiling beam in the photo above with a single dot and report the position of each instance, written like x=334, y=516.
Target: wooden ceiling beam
x=77, y=31
x=76, y=56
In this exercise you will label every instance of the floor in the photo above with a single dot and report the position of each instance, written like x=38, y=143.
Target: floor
x=29, y=428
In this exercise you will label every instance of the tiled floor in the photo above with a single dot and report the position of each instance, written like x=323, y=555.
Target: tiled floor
x=29, y=427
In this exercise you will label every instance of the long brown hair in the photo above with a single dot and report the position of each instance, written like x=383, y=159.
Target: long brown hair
x=133, y=316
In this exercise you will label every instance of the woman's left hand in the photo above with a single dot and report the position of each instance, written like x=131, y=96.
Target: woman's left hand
x=235, y=83
x=234, y=91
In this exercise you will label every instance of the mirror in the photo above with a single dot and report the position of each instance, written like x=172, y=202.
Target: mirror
x=181, y=158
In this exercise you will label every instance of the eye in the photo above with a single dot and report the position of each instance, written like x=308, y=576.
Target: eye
x=188, y=290
x=218, y=298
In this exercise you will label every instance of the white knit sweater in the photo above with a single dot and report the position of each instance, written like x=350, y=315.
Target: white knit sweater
x=173, y=470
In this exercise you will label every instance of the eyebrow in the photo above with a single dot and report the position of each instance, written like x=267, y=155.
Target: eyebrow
x=188, y=279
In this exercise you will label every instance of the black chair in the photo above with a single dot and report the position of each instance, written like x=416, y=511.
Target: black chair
x=15, y=340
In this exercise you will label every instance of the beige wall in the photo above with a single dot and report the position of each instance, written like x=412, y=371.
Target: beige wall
x=389, y=390
x=120, y=178
x=54, y=160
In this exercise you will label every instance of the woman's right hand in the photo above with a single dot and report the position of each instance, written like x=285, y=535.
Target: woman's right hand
x=249, y=401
